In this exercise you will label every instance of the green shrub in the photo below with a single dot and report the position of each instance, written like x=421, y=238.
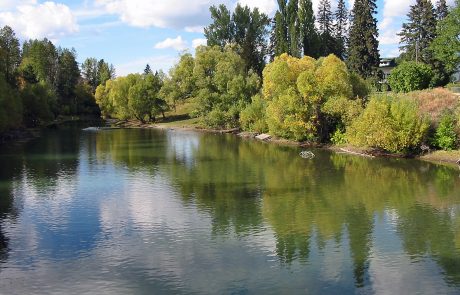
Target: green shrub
x=253, y=118
x=389, y=123
x=339, y=137
x=445, y=136
x=410, y=76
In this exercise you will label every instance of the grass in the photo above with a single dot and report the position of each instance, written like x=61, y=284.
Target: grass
x=180, y=117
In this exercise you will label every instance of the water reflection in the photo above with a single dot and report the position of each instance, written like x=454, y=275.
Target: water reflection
x=131, y=211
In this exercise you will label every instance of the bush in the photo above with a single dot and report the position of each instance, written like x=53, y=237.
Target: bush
x=339, y=137
x=389, y=123
x=445, y=136
x=253, y=118
x=410, y=76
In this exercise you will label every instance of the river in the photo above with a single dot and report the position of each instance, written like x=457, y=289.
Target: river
x=133, y=211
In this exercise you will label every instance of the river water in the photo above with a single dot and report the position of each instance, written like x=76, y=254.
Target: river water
x=180, y=212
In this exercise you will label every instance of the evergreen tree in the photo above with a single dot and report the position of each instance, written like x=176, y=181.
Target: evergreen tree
x=363, y=52
x=307, y=31
x=68, y=75
x=89, y=72
x=325, y=23
x=418, y=33
x=441, y=10
x=147, y=70
x=341, y=29
x=10, y=54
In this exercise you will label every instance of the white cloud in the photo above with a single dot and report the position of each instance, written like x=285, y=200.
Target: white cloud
x=268, y=7
x=49, y=19
x=195, y=29
x=177, y=43
x=198, y=42
x=10, y=4
x=163, y=14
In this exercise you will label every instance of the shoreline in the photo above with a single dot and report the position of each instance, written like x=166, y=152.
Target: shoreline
x=449, y=158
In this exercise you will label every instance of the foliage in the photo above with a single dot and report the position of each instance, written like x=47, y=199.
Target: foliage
x=446, y=45
x=10, y=107
x=339, y=137
x=180, y=85
x=244, y=27
x=39, y=101
x=143, y=99
x=253, y=117
x=308, y=35
x=389, y=123
x=306, y=98
x=363, y=53
x=410, y=76
x=223, y=86
x=445, y=137
x=417, y=34
x=10, y=54
x=96, y=72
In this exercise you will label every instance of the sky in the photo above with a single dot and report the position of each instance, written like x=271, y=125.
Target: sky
x=131, y=33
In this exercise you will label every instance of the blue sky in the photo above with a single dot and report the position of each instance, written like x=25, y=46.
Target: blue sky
x=132, y=33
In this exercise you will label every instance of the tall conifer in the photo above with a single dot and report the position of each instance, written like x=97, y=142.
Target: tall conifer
x=441, y=10
x=418, y=32
x=363, y=52
x=341, y=28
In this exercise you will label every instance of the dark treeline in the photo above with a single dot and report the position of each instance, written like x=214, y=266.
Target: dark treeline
x=39, y=82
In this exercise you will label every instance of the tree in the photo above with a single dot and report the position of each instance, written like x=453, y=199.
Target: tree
x=10, y=54
x=244, y=27
x=293, y=31
x=286, y=35
x=307, y=31
x=418, y=32
x=67, y=77
x=363, y=52
x=223, y=86
x=42, y=57
x=181, y=83
x=441, y=10
x=148, y=70
x=143, y=100
x=446, y=45
x=325, y=22
x=410, y=76
x=220, y=31
x=341, y=29
x=89, y=72
x=105, y=72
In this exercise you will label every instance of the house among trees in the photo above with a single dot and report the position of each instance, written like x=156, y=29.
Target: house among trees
x=386, y=66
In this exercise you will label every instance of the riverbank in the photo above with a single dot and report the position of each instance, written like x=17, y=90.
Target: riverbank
x=192, y=124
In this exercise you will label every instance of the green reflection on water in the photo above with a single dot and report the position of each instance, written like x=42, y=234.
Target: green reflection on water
x=248, y=187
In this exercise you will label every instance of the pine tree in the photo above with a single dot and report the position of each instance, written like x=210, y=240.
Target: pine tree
x=441, y=10
x=363, y=52
x=418, y=32
x=341, y=29
x=325, y=22
x=147, y=70
x=307, y=31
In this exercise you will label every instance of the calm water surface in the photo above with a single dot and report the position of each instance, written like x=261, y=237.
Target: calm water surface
x=153, y=212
